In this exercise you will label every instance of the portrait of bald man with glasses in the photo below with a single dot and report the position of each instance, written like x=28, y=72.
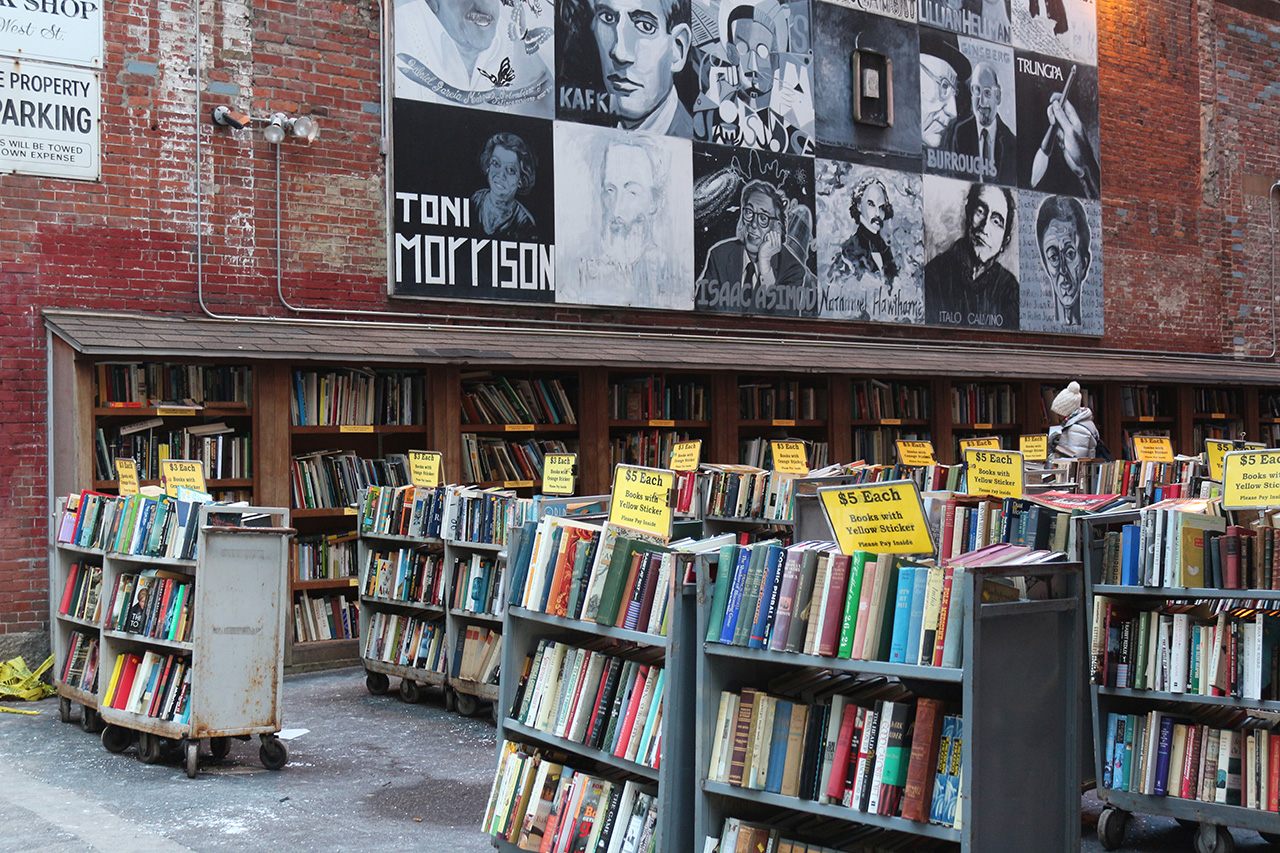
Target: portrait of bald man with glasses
x=985, y=134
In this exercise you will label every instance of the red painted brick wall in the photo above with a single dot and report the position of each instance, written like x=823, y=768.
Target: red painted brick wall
x=1189, y=112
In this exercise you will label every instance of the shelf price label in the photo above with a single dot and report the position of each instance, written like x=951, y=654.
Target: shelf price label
x=916, y=453
x=886, y=518
x=783, y=422
x=1217, y=449
x=661, y=423
x=685, y=455
x=127, y=476
x=1250, y=478
x=178, y=412
x=641, y=499
x=989, y=442
x=518, y=428
x=789, y=457
x=1152, y=448
x=995, y=473
x=424, y=468
x=181, y=472
x=359, y=429
x=1035, y=448
x=559, y=473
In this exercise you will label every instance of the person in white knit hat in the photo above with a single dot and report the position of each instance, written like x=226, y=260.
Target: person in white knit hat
x=1077, y=436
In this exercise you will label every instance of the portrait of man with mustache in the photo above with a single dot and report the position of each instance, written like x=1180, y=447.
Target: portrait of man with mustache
x=965, y=285
x=643, y=45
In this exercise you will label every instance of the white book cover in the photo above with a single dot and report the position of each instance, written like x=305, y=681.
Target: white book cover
x=1180, y=653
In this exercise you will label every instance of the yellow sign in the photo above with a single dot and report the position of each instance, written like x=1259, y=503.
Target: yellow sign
x=424, y=468
x=1035, y=448
x=1216, y=449
x=988, y=443
x=1147, y=419
x=127, y=475
x=559, y=473
x=916, y=453
x=789, y=457
x=181, y=472
x=661, y=423
x=517, y=484
x=176, y=413
x=983, y=426
x=641, y=499
x=1152, y=448
x=1251, y=478
x=348, y=510
x=884, y=518
x=519, y=427
x=357, y=428
x=685, y=455
x=891, y=421
x=995, y=472
x=784, y=422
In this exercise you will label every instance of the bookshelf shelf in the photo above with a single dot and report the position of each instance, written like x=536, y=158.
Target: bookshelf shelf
x=409, y=673
x=659, y=424
x=224, y=483
x=734, y=520
x=323, y=512
x=152, y=561
x=757, y=423
x=478, y=689
x=986, y=426
x=418, y=606
x=517, y=429
x=72, y=620
x=85, y=698
x=1190, y=698
x=174, y=645
x=142, y=723
x=902, y=672
x=1194, y=810
x=358, y=429
x=590, y=628
x=343, y=642
x=326, y=583
x=476, y=546
x=764, y=798
x=906, y=422
x=209, y=410
x=1180, y=593
x=509, y=484
x=410, y=541
x=608, y=759
x=474, y=616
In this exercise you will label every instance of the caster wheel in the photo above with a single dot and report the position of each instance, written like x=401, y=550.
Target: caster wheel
x=150, y=748
x=410, y=691
x=64, y=709
x=1111, y=828
x=450, y=700
x=116, y=739
x=274, y=753
x=467, y=704
x=1214, y=839
x=191, y=748
x=1271, y=838
x=219, y=746
x=376, y=683
x=89, y=719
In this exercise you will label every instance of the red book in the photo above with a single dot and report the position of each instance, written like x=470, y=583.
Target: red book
x=157, y=695
x=840, y=759
x=948, y=529
x=1191, y=761
x=917, y=795
x=339, y=632
x=1273, y=772
x=836, y=591
x=69, y=590
x=562, y=576
x=940, y=638
x=629, y=718
x=125, y=684
x=628, y=588
x=1230, y=542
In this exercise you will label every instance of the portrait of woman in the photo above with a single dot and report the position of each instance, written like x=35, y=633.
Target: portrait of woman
x=511, y=169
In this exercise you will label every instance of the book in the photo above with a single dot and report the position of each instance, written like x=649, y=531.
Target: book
x=926, y=740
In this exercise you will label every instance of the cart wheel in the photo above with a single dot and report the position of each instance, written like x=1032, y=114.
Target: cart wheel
x=116, y=739
x=376, y=683
x=192, y=750
x=1271, y=838
x=150, y=748
x=1111, y=828
x=410, y=691
x=219, y=746
x=467, y=704
x=89, y=719
x=450, y=699
x=64, y=709
x=1214, y=839
x=273, y=752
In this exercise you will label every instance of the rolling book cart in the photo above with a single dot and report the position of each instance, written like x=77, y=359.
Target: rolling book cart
x=228, y=643
x=1211, y=818
x=1016, y=689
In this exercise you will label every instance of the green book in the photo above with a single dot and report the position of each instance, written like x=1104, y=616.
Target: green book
x=619, y=566
x=164, y=505
x=720, y=595
x=750, y=594
x=849, y=623
x=580, y=566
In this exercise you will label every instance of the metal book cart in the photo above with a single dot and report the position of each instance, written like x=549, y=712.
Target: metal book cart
x=1210, y=819
x=235, y=648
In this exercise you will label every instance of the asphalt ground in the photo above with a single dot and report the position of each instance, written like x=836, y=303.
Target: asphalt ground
x=369, y=771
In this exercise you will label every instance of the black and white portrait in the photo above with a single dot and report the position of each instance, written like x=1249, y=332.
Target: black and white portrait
x=1061, y=254
x=755, y=72
x=624, y=63
x=1067, y=29
x=869, y=243
x=473, y=209
x=754, y=228
x=984, y=19
x=903, y=10
x=970, y=279
x=1058, y=139
x=486, y=54
x=625, y=218
x=838, y=31
x=987, y=137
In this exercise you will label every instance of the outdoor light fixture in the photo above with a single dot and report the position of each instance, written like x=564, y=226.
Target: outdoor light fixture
x=275, y=128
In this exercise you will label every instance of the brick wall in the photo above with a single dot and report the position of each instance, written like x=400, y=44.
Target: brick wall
x=1189, y=109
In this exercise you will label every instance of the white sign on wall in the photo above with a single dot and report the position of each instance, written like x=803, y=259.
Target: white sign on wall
x=67, y=31
x=49, y=119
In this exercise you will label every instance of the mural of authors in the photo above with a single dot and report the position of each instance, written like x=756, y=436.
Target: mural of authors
x=1061, y=255
x=1058, y=146
x=753, y=217
x=970, y=279
x=486, y=54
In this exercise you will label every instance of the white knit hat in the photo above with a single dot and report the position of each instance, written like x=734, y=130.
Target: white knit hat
x=1067, y=401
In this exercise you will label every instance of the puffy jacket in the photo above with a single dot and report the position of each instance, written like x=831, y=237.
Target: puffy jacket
x=1079, y=436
